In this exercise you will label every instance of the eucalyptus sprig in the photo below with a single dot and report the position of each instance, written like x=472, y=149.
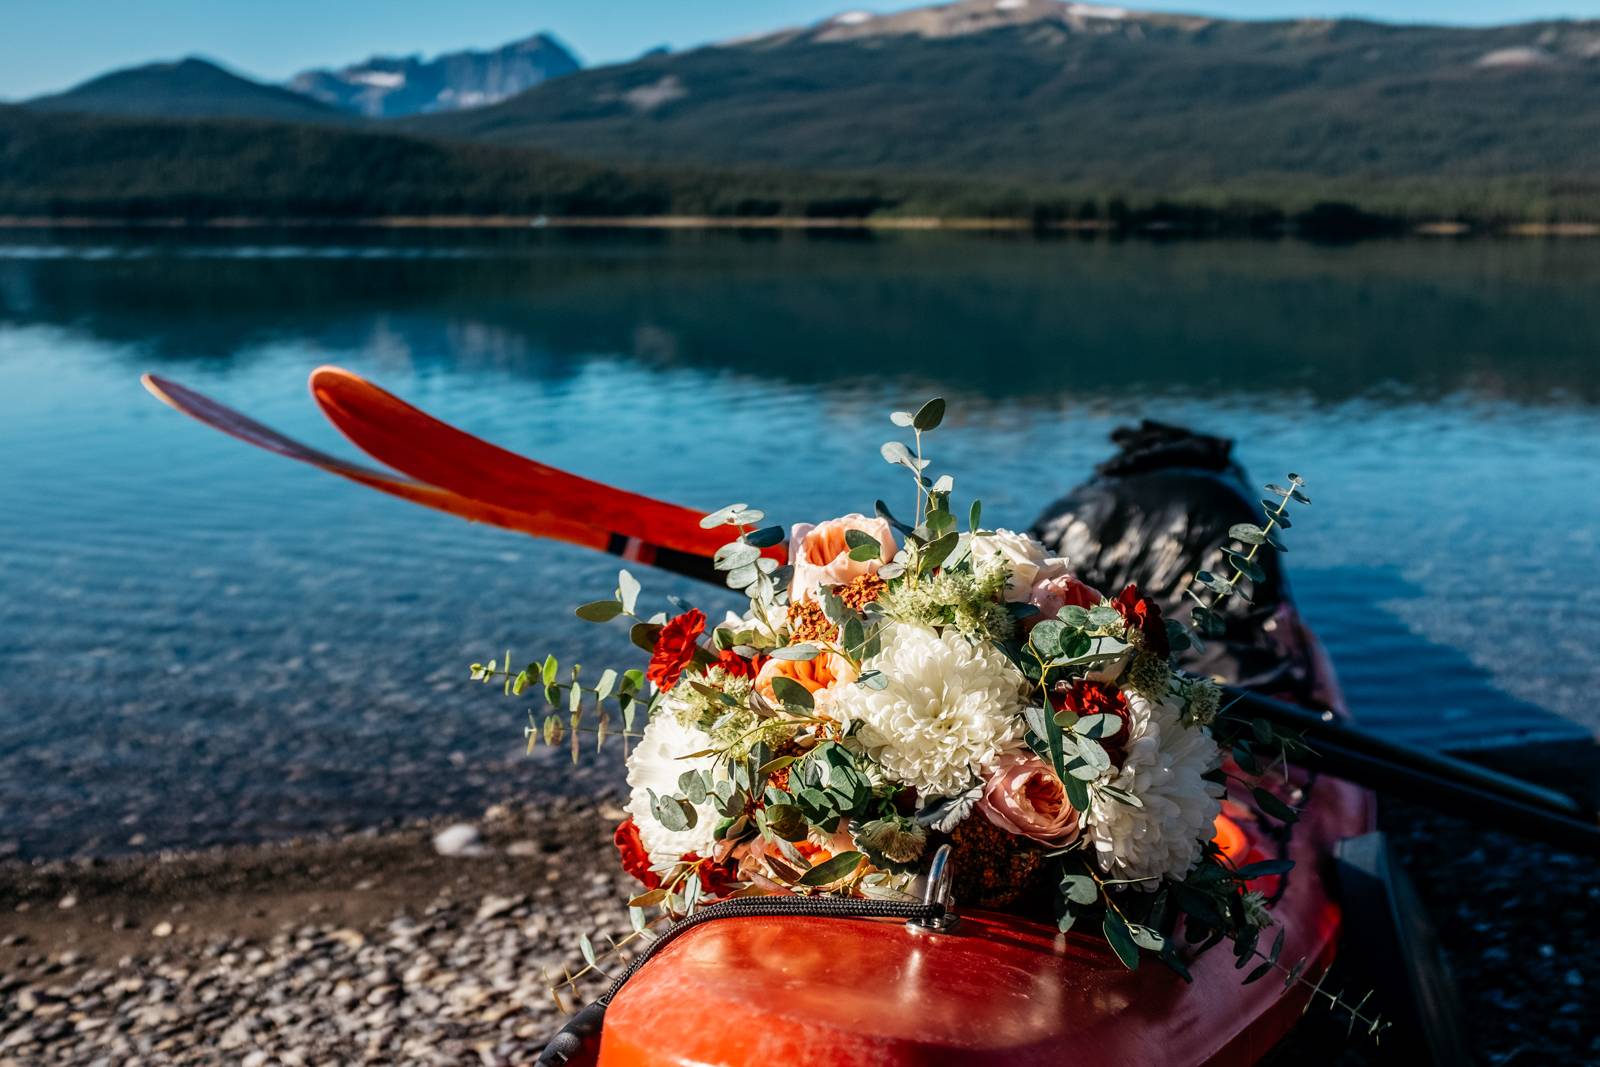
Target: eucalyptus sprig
x=624, y=689
x=927, y=417
x=759, y=577
x=1206, y=618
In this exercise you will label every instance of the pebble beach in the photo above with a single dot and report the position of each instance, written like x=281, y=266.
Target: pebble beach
x=432, y=944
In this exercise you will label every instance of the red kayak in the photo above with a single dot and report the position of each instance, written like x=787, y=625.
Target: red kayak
x=995, y=989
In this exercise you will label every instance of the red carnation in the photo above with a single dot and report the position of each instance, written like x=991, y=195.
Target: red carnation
x=717, y=879
x=635, y=860
x=1094, y=698
x=675, y=647
x=1144, y=615
x=736, y=666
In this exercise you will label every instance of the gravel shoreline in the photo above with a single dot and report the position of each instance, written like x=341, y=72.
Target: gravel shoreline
x=376, y=948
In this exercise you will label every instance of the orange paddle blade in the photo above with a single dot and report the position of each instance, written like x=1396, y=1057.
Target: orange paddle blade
x=414, y=442
x=231, y=422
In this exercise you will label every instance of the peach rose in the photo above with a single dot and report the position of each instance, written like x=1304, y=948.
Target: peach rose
x=821, y=556
x=1022, y=795
x=820, y=675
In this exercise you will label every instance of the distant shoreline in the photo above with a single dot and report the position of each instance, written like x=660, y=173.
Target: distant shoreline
x=1439, y=228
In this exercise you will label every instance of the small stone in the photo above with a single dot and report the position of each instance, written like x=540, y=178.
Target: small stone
x=350, y=939
x=161, y=929
x=493, y=907
x=459, y=839
x=68, y=902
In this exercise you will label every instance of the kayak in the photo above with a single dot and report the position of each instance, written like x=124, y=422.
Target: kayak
x=996, y=988
x=993, y=987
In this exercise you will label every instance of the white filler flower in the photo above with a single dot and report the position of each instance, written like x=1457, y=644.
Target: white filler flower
x=1163, y=769
x=949, y=709
x=654, y=764
x=1026, y=557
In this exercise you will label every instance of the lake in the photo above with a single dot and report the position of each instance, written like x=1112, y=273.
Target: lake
x=203, y=643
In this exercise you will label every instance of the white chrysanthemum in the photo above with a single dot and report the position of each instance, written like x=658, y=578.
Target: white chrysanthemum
x=655, y=764
x=950, y=707
x=1026, y=557
x=1163, y=769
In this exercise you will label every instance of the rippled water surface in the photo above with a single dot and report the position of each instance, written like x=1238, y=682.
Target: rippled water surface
x=201, y=642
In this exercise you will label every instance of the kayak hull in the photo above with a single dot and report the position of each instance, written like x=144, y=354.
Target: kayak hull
x=998, y=989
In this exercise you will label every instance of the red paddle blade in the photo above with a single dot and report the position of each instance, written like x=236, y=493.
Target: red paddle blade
x=414, y=442
x=224, y=418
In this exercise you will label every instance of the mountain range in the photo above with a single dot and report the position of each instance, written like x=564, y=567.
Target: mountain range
x=1041, y=90
x=186, y=89
x=380, y=87
x=387, y=86
x=997, y=106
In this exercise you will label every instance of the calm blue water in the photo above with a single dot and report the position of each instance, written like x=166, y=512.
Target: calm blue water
x=200, y=642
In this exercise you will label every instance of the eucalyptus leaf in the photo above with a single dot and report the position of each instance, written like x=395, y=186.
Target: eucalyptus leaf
x=803, y=651
x=599, y=611
x=863, y=546
x=627, y=591
x=1046, y=637
x=1249, y=533
x=902, y=418
x=693, y=787
x=1074, y=615
x=1273, y=806
x=930, y=415
x=937, y=552
x=1145, y=937
x=854, y=635
x=742, y=577
x=898, y=453
x=1079, y=888
x=1246, y=566
x=1263, y=868
x=792, y=692
x=1098, y=726
x=1120, y=938
x=840, y=866
x=1077, y=792
x=735, y=554
x=721, y=516
x=644, y=634
x=1104, y=618
x=670, y=814
x=765, y=537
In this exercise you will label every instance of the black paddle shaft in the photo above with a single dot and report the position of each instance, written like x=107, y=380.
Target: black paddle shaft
x=1449, y=785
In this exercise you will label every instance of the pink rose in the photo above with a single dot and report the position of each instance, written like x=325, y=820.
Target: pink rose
x=821, y=556
x=1023, y=796
x=1050, y=595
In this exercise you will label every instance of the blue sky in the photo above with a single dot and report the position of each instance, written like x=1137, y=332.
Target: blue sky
x=51, y=44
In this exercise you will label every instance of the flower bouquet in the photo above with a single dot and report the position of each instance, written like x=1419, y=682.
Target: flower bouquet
x=894, y=686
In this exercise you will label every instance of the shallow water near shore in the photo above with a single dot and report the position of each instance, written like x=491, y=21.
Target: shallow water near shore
x=202, y=643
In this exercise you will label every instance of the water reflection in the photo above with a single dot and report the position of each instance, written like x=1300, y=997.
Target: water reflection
x=216, y=644
x=1414, y=320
